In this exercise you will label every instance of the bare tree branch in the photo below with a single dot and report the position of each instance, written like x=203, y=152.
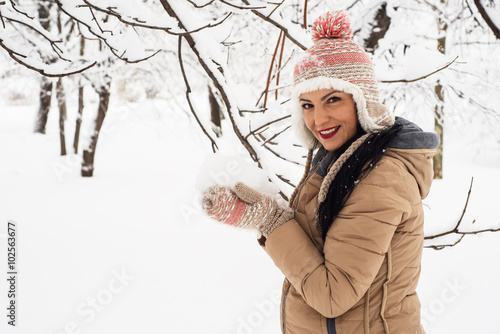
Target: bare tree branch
x=213, y=76
x=200, y=6
x=455, y=230
x=14, y=6
x=257, y=131
x=138, y=23
x=271, y=68
x=241, y=7
x=278, y=25
x=422, y=77
x=188, y=96
x=486, y=17
x=111, y=47
x=21, y=59
x=39, y=30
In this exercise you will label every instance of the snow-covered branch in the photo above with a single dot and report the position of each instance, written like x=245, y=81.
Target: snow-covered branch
x=128, y=15
x=29, y=44
x=298, y=36
x=490, y=11
x=213, y=70
x=123, y=42
x=188, y=96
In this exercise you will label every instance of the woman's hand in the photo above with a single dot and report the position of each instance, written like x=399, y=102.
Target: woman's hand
x=245, y=208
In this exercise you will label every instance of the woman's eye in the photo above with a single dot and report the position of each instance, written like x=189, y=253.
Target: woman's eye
x=334, y=99
x=307, y=106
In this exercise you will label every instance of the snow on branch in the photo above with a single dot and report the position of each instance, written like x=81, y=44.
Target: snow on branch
x=124, y=42
x=29, y=44
x=214, y=65
x=456, y=229
x=298, y=36
x=127, y=14
x=490, y=14
x=225, y=2
x=213, y=70
x=188, y=96
x=14, y=7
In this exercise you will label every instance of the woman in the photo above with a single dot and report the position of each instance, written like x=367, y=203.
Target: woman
x=350, y=244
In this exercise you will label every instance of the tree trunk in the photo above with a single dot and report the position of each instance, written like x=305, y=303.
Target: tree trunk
x=439, y=109
x=379, y=28
x=43, y=110
x=438, y=128
x=78, y=119
x=61, y=103
x=80, y=103
x=215, y=113
x=45, y=83
x=89, y=153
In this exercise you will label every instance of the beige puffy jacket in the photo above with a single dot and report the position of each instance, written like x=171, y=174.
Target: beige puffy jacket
x=362, y=279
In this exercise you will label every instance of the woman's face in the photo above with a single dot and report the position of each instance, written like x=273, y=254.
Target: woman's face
x=331, y=116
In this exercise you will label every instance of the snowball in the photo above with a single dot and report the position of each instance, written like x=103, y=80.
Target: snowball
x=227, y=170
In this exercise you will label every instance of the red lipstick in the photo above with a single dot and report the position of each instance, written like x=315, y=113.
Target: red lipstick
x=329, y=135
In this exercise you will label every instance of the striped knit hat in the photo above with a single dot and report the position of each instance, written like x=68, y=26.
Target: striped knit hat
x=335, y=61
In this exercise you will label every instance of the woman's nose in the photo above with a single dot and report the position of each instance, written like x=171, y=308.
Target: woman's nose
x=320, y=116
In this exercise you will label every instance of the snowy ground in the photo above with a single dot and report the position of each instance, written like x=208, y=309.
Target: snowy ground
x=128, y=250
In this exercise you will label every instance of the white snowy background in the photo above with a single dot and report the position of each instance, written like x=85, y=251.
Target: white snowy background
x=130, y=251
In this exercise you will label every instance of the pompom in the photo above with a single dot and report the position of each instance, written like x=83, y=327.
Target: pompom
x=332, y=25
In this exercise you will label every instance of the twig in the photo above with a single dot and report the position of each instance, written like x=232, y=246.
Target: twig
x=455, y=230
x=285, y=181
x=276, y=24
x=138, y=23
x=200, y=6
x=257, y=131
x=188, y=98
x=276, y=135
x=278, y=71
x=279, y=67
x=275, y=8
x=472, y=13
x=305, y=14
x=18, y=58
x=271, y=68
x=102, y=38
x=241, y=7
x=279, y=156
x=439, y=247
x=262, y=110
x=212, y=75
x=97, y=22
x=422, y=77
x=14, y=6
x=39, y=31
x=352, y=5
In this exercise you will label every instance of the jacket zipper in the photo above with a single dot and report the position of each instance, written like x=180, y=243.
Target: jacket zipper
x=330, y=326
x=283, y=308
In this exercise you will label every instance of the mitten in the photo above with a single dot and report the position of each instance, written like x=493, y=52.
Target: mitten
x=245, y=208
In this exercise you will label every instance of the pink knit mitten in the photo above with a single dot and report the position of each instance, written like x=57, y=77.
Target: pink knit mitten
x=245, y=208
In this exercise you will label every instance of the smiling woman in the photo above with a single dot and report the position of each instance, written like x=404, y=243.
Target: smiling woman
x=330, y=115
x=350, y=242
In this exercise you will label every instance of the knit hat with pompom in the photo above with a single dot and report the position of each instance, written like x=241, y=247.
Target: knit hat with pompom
x=336, y=61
